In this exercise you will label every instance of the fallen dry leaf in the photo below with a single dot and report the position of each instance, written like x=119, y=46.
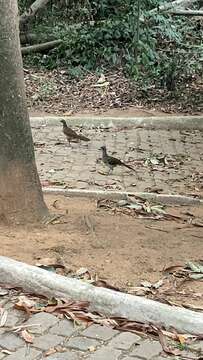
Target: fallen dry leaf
x=7, y=352
x=168, y=349
x=3, y=292
x=91, y=348
x=4, y=315
x=24, y=300
x=27, y=337
x=23, y=307
x=50, y=352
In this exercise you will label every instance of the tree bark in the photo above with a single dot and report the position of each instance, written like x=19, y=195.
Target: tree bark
x=31, y=12
x=40, y=47
x=21, y=197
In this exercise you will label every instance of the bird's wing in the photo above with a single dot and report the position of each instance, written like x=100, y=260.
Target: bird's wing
x=71, y=132
x=82, y=137
x=114, y=161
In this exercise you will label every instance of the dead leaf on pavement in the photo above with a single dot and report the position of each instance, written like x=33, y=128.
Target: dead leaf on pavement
x=27, y=337
x=7, y=352
x=24, y=305
x=25, y=301
x=50, y=352
x=168, y=349
x=91, y=348
x=3, y=292
x=4, y=315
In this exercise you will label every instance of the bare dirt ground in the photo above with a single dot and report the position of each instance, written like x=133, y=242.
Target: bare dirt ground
x=121, y=249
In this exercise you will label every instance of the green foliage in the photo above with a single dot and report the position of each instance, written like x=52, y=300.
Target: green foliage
x=100, y=34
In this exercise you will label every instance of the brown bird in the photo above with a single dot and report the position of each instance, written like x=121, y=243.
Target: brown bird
x=111, y=161
x=71, y=134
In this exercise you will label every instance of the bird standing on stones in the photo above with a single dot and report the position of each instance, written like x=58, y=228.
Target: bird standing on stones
x=71, y=134
x=111, y=161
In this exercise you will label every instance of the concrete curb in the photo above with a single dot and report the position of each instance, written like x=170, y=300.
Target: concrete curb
x=161, y=122
x=105, y=301
x=166, y=199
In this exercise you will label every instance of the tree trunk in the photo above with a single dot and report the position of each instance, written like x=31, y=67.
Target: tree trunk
x=21, y=198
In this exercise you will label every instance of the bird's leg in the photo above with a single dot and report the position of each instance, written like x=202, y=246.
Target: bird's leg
x=69, y=143
x=110, y=170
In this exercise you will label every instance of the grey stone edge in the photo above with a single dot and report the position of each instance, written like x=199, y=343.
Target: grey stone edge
x=166, y=199
x=148, y=122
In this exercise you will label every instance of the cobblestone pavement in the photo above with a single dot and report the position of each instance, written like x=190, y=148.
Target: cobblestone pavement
x=79, y=166
x=56, y=338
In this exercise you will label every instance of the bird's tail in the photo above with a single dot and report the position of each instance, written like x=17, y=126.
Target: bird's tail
x=128, y=166
x=82, y=137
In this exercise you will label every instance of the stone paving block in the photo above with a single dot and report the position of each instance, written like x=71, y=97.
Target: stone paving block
x=47, y=341
x=82, y=343
x=147, y=349
x=10, y=341
x=100, y=332
x=124, y=340
x=63, y=328
x=43, y=322
x=25, y=354
x=68, y=355
x=106, y=353
x=197, y=346
x=14, y=317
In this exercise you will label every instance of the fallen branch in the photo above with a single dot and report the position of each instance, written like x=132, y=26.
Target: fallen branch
x=102, y=300
x=167, y=6
x=173, y=4
x=32, y=10
x=186, y=12
x=41, y=47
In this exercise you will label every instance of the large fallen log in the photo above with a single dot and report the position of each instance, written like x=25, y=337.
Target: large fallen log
x=40, y=47
x=105, y=301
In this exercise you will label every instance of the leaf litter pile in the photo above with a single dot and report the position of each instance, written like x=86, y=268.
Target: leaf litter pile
x=140, y=208
x=54, y=92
